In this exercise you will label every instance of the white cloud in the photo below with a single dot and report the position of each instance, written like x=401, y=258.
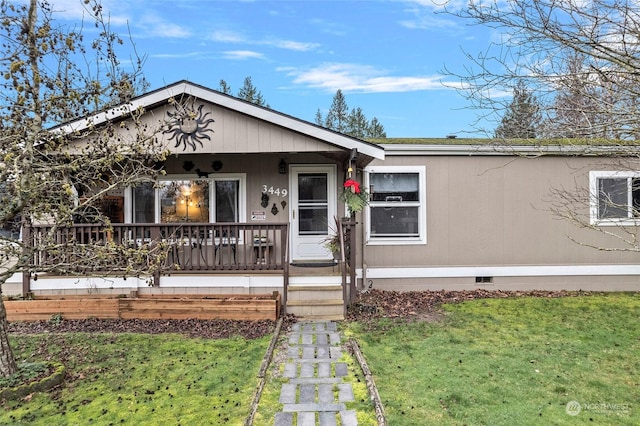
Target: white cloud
x=76, y=10
x=225, y=36
x=181, y=55
x=289, y=45
x=361, y=78
x=242, y=54
x=120, y=14
x=429, y=15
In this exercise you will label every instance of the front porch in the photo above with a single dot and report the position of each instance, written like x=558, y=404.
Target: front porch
x=196, y=258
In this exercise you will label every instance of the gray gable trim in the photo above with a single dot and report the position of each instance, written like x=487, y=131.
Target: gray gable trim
x=161, y=96
x=511, y=150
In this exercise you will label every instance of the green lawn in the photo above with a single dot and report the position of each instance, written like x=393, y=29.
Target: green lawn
x=511, y=361
x=141, y=379
x=492, y=361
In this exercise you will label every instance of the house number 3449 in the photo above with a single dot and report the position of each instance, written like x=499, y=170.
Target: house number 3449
x=278, y=192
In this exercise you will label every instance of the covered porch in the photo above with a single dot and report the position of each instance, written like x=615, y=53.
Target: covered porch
x=243, y=194
x=191, y=256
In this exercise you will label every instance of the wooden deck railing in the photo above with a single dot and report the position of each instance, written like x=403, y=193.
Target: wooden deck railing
x=189, y=247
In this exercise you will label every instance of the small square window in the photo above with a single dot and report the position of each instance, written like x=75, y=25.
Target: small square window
x=615, y=196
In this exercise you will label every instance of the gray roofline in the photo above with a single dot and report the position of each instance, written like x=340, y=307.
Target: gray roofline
x=507, y=150
x=161, y=95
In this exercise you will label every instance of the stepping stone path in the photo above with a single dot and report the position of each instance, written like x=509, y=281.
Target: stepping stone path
x=315, y=394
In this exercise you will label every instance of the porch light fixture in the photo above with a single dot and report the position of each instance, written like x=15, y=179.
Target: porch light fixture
x=282, y=167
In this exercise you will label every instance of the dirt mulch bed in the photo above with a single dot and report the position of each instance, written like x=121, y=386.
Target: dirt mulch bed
x=425, y=304
x=208, y=329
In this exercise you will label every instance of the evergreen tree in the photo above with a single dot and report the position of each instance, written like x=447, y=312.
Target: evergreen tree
x=357, y=124
x=250, y=93
x=224, y=87
x=319, y=118
x=522, y=116
x=337, y=117
x=353, y=123
x=376, y=129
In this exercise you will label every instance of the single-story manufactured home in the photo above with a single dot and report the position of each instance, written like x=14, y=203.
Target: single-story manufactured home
x=250, y=197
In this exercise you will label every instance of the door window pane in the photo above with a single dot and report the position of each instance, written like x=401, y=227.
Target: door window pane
x=313, y=220
x=312, y=188
x=313, y=204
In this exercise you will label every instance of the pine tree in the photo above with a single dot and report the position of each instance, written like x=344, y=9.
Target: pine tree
x=337, y=117
x=250, y=93
x=357, y=124
x=376, y=130
x=353, y=123
x=319, y=118
x=224, y=87
x=522, y=116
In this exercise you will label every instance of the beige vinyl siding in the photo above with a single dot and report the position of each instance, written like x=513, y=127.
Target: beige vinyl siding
x=495, y=211
x=235, y=132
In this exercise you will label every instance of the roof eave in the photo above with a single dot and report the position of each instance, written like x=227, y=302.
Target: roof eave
x=510, y=150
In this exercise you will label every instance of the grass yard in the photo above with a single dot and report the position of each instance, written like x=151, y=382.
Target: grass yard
x=511, y=361
x=165, y=379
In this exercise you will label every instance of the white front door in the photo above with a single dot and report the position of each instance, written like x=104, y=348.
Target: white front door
x=312, y=209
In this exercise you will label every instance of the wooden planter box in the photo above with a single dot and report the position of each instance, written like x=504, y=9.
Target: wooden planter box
x=232, y=307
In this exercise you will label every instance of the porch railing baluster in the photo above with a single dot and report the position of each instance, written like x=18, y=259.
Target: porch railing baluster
x=190, y=248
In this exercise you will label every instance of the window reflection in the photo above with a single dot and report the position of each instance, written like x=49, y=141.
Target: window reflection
x=184, y=201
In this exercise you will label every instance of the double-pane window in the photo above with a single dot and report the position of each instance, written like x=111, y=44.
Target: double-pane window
x=396, y=205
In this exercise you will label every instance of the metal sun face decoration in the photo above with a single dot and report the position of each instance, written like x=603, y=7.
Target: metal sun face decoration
x=188, y=126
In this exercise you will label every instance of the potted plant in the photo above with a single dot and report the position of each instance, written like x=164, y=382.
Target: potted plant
x=332, y=242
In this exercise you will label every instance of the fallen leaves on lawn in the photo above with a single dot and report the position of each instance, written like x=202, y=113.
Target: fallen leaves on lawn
x=424, y=304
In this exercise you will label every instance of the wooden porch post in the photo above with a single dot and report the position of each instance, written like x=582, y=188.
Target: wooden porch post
x=352, y=258
x=26, y=275
x=284, y=256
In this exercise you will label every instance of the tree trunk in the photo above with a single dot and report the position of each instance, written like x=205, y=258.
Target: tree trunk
x=8, y=364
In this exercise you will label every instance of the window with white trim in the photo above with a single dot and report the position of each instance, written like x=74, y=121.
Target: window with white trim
x=397, y=205
x=228, y=196
x=615, y=197
x=173, y=200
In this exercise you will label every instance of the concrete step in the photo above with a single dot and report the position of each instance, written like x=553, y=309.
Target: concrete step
x=315, y=287
x=314, y=293
x=316, y=301
x=324, y=302
x=315, y=309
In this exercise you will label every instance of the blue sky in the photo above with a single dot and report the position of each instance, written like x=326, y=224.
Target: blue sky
x=386, y=56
